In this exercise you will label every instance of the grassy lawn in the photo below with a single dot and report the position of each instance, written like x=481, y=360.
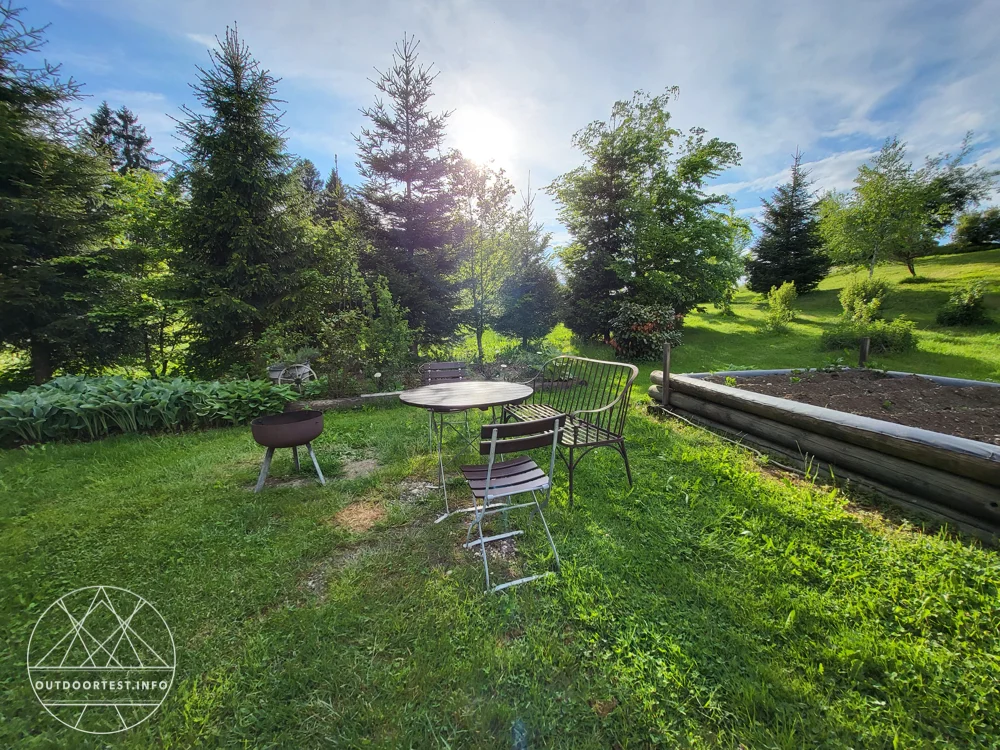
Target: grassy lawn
x=715, y=342
x=716, y=603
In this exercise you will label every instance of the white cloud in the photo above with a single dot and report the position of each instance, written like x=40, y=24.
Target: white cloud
x=833, y=79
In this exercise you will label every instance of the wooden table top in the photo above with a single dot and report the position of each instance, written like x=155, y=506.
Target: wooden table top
x=465, y=394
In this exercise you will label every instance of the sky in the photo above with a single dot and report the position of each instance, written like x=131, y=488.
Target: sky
x=831, y=79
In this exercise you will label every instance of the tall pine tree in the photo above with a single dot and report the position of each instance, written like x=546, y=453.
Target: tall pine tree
x=244, y=257
x=52, y=214
x=405, y=189
x=789, y=247
x=134, y=146
x=119, y=138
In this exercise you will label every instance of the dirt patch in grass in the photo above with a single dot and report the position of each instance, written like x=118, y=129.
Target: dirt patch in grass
x=360, y=468
x=295, y=481
x=359, y=517
x=411, y=490
x=605, y=707
x=972, y=412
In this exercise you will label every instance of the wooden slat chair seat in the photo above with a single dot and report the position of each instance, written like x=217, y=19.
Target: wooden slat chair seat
x=593, y=394
x=495, y=483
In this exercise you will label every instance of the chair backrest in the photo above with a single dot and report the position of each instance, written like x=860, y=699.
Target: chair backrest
x=442, y=372
x=516, y=437
x=573, y=384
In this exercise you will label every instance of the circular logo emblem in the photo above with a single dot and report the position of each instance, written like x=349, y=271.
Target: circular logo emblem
x=101, y=659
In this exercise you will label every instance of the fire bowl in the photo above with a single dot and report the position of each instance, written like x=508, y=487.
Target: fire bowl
x=287, y=430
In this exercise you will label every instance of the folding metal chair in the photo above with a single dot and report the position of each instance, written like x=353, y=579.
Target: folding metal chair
x=494, y=484
x=444, y=372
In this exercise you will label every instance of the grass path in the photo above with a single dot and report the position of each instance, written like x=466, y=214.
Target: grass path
x=715, y=604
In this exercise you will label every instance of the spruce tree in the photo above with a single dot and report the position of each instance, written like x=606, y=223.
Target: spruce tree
x=331, y=201
x=311, y=179
x=789, y=247
x=132, y=144
x=119, y=138
x=243, y=258
x=531, y=296
x=405, y=189
x=52, y=217
x=99, y=133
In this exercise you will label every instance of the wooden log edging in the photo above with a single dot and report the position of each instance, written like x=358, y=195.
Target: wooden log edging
x=960, y=477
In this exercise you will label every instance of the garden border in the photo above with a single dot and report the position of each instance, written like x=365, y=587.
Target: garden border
x=947, y=477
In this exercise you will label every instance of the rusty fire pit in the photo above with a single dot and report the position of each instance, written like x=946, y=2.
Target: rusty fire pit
x=288, y=430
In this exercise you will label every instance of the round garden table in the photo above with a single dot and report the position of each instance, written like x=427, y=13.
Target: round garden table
x=458, y=396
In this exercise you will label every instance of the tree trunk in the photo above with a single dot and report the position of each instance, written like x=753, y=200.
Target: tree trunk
x=909, y=265
x=41, y=362
x=479, y=342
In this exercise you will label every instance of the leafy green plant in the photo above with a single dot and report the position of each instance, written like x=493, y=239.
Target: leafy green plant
x=779, y=307
x=74, y=407
x=730, y=381
x=886, y=336
x=862, y=299
x=640, y=331
x=965, y=307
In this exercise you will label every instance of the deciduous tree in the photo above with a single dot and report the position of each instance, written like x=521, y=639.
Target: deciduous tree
x=644, y=226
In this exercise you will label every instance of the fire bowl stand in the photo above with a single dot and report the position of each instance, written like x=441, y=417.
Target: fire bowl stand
x=266, y=466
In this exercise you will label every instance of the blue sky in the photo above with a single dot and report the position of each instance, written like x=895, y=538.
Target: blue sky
x=832, y=79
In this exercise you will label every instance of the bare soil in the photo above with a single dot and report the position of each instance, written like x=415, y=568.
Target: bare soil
x=972, y=413
x=359, y=517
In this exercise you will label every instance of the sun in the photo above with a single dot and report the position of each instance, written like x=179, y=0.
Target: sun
x=482, y=136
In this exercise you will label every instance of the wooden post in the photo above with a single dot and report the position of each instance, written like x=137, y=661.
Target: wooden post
x=665, y=388
x=863, y=356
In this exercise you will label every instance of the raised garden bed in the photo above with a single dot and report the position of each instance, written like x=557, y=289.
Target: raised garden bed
x=952, y=478
x=971, y=412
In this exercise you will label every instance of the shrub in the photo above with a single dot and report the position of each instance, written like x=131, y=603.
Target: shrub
x=862, y=299
x=367, y=347
x=965, y=307
x=79, y=407
x=886, y=336
x=640, y=331
x=779, y=306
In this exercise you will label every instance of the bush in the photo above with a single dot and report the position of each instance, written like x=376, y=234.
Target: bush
x=862, y=299
x=72, y=407
x=965, y=307
x=779, y=306
x=886, y=336
x=640, y=331
x=366, y=348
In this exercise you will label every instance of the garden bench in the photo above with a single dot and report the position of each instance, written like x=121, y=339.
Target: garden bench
x=593, y=394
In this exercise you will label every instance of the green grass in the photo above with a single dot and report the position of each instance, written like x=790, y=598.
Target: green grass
x=714, y=605
x=713, y=341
